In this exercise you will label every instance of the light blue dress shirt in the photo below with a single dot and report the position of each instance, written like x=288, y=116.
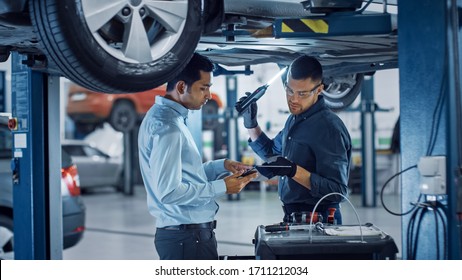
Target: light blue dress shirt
x=180, y=188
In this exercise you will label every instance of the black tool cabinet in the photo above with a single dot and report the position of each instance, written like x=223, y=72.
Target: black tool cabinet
x=317, y=245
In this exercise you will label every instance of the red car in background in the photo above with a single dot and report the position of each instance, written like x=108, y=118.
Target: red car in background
x=89, y=109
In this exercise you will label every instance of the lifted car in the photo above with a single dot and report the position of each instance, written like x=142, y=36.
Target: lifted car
x=110, y=46
x=350, y=38
x=117, y=46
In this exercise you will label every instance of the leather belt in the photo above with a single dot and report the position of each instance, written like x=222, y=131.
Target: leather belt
x=209, y=225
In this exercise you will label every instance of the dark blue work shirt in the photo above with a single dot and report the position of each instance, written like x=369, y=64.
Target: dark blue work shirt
x=318, y=141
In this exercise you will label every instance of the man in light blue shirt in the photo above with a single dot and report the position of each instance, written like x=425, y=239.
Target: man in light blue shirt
x=181, y=190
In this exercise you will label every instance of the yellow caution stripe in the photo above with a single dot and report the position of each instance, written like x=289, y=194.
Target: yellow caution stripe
x=304, y=25
x=285, y=28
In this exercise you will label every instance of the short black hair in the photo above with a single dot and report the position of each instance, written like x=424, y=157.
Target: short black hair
x=305, y=67
x=191, y=72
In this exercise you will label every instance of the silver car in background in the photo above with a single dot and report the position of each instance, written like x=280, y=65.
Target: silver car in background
x=96, y=168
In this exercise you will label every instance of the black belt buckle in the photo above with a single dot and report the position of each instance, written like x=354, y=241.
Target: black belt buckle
x=213, y=224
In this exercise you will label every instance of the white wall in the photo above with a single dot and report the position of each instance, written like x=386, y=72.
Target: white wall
x=386, y=96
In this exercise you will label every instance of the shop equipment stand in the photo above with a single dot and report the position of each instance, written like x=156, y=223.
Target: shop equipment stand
x=323, y=242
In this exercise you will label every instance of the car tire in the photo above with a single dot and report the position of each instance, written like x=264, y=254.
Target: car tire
x=123, y=116
x=6, y=238
x=209, y=114
x=85, y=128
x=111, y=58
x=341, y=91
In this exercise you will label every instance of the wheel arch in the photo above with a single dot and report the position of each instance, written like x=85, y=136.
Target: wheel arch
x=338, y=104
x=217, y=100
x=129, y=101
x=68, y=43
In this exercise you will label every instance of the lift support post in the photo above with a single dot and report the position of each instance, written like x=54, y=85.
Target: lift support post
x=36, y=163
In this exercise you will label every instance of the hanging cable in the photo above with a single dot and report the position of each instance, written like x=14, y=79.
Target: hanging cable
x=360, y=11
x=383, y=188
x=436, y=235
x=445, y=243
x=414, y=237
x=415, y=223
x=419, y=209
x=410, y=233
x=437, y=116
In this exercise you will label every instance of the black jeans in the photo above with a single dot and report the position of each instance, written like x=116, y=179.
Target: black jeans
x=186, y=244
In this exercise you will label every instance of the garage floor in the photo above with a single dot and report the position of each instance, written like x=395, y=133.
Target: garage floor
x=120, y=227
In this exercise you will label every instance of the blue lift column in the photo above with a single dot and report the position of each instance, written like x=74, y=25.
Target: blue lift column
x=454, y=124
x=429, y=93
x=368, y=186
x=36, y=163
x=232, y=125
x=232, y=128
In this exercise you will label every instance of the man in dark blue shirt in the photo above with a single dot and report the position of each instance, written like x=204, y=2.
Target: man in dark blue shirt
x=314, y=145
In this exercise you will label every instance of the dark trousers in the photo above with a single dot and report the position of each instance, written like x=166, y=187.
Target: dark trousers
x=186, y=244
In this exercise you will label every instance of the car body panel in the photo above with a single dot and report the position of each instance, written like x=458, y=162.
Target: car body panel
x=351, y=43
x=252, y=41
x=249, y=34
x=6, y=192
x=82, y=105
x=88, y=106
x=73, y=220
x=12, y=6
x=96, y=169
